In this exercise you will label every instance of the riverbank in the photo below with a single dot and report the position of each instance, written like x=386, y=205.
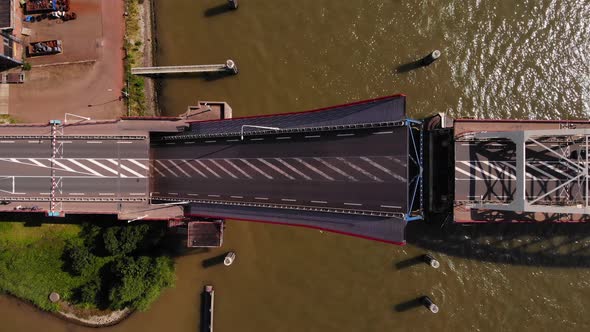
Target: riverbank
x=138, y=44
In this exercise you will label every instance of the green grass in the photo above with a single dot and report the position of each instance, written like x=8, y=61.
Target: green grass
x=5, y=119
x=134, y=57
x=31, y=262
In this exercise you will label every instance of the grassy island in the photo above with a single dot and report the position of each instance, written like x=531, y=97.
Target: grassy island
x=91, y=267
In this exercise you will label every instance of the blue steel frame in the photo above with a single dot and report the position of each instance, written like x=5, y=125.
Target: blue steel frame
x=416, y=184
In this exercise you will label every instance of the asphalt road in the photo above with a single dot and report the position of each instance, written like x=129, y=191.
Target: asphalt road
x=358, y=170
x=87, y=168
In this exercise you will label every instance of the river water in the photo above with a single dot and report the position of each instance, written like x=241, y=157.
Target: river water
x=500, y=59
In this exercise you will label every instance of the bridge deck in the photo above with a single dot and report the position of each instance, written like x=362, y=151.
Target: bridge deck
x=485, y=171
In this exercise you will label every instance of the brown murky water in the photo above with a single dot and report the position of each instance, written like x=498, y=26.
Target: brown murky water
x=525, y=59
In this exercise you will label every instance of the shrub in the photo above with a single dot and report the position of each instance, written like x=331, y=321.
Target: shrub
x=89, y=292
x=124, y=240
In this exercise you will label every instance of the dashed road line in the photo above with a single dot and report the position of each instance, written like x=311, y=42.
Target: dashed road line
x=261, y=198
x=313, y=136
x=173, y=194
x=319, y=202
x=193, y=194
x=391, y=206
x=93, y=142
x=239, y=197
x=232, y=140
x=383, y=132
x=106, y=194
x=283, y=137
x=124, y=142
x=191, y=142
x=77, y=194
x=344, y=135
x=257, y=139
x=212, y=141
x=213, y=195
x=136, y=194
x=288, y=200
x=353, y=204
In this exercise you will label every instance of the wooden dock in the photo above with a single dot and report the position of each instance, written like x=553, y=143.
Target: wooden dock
x=229, y=66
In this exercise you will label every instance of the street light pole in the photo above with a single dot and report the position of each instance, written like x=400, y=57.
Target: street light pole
x=252, y=126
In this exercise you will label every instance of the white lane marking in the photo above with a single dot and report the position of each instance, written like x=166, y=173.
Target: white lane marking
x=353, y=204
x=44, y=194
x=136, y=194
x=124, y=142
x=499, y=169
x=213, y=195
x=115, y=162
x=514, y=168
x=106, y=194
x=267, y=163
x=320, y=202
x=232, y=140
x=79, y=164
x=170, y=143
x=157, y=170
x=467, y=173
x=65, y=142
x=208, y=168
x=289, y=166
x=77, y=194
x=223, y=169
x=344, y=135
x=257, y=139
x=193, y=194
x=336, y=169
x=262, y=198
x=306, y=164
x=93, y=142
x=391, y=206
x=173, y=194
x=542, y=172
x=213, y=141
x=483, y=171
x=312, y=136
x=180, y=169
x=256, y=168
x=105, y=167
x=383, y=132
x=167, y=168
x=236, y=196
x=359, y=169
x=6, y=141
x=193, y=142
x=138, y=164
x=188, y=163
x=556, y=169
x=33, y=142
x=283, y=137
x=384, y=169
x=288, y=200
x=36, y=162
x=64, y=167
x=237, y=168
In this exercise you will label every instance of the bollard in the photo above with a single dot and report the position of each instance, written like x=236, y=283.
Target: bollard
x=231, y=66
x=430, y=58
x=431, y=261
x=229, y=258
x=427, y=302
x=233, y=4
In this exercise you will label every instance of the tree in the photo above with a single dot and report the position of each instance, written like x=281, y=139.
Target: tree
x=89, y=292
x=124, y=240
x=80, y=259
x=139, y=281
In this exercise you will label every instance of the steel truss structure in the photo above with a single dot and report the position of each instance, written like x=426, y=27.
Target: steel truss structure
x=561, y=156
